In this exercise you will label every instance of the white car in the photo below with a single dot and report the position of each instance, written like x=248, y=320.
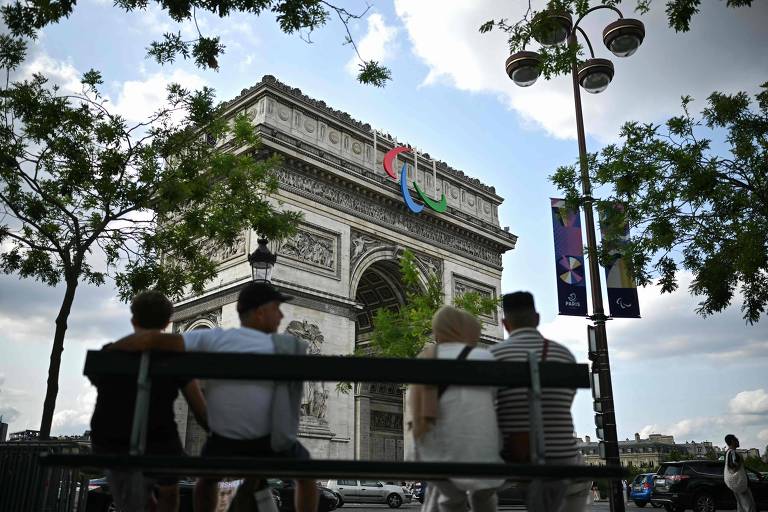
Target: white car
x=369, y=491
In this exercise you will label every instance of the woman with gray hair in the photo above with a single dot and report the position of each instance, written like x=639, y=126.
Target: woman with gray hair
x=455, y=423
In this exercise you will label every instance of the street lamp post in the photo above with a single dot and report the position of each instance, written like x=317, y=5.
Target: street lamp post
x=622, y=37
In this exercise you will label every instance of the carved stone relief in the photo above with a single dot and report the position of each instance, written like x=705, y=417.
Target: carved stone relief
x=314, y=401
x=204, y=320
x=315, y=249
x=346, y=200
x=221, y=254
x=381, y=420
x=462, y=285
x=361, y=244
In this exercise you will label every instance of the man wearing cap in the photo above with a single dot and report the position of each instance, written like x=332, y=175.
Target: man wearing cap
x=521, y=321
x=246, y=418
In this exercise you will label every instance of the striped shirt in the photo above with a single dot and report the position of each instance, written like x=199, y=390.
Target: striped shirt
x=512, y=403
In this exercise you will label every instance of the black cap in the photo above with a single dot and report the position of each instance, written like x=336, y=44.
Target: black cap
x=518, y=301
x=253, y=295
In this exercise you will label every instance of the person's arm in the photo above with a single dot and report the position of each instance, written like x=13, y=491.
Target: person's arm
x=149, y=340
x=733, y=460
x=196, y=401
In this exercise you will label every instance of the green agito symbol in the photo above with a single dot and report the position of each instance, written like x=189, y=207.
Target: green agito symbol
x=438, y=206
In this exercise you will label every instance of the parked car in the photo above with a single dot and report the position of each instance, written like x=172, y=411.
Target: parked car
x=699, y=485
x=286, y=490
x=419, y=490
x=641, y=489
x=369, y=491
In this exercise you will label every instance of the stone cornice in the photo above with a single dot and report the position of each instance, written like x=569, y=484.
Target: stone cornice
x=279, y=138
x=295, y=94
x=364, y=204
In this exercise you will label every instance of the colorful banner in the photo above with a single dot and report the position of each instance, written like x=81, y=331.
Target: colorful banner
x=622, y=290
x=569, y=260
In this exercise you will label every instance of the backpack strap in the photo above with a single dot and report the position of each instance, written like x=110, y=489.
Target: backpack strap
x=545, y=350
x=462, y=355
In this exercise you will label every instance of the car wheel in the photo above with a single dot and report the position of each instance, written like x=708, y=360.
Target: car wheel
x=641, y=504
x=704, y=503
x=340, y=499
x=394, y=500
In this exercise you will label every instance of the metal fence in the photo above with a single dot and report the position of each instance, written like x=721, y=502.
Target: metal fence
x=26, y=486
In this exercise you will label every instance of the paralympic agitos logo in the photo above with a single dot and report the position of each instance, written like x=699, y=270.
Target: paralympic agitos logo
x=438, y=206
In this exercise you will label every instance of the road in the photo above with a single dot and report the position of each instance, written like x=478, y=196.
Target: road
x=600, y=506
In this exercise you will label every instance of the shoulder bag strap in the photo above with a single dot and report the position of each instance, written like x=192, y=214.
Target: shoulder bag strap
x=462, y=355
x=545, y=350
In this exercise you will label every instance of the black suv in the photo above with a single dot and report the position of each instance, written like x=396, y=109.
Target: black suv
x=699, y=485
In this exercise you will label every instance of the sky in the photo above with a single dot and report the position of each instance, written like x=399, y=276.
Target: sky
x=673, y=371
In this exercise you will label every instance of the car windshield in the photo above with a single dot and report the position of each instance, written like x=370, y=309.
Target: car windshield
x=638, y=479
x=672, y=470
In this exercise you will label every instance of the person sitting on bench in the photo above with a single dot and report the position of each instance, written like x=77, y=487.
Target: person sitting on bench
x=246, y=418
x=113, y=417
x=455, y=423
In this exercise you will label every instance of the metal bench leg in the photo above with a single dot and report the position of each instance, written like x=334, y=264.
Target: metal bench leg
x=534, y=411
x=141, y=409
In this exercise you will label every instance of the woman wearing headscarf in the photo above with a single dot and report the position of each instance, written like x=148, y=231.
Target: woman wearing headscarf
x=455, y=423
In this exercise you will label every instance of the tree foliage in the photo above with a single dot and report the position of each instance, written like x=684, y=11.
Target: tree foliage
x=155, y=198
x=404, y=332
x=557, y=60
x=692, y=206
x=25, y=18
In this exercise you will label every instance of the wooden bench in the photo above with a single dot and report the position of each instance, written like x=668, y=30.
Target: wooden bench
x=146, y=366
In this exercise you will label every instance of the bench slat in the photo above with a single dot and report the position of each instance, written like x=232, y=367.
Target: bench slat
x=231, y=366
x=291, y=468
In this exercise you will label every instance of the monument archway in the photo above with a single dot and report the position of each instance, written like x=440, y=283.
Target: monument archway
x=378, y=406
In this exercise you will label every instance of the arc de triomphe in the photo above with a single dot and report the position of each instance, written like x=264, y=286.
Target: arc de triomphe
x=342, y=265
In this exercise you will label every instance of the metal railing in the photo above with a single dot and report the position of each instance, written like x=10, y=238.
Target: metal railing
x=26, y=486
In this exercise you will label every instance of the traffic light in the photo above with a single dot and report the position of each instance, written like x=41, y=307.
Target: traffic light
x=600, y=426
x=593, y=354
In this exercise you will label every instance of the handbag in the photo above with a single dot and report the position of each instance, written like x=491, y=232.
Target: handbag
x=735, y=479
x=516, y=447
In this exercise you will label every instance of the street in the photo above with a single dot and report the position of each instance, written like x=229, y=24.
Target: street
x=600, y=506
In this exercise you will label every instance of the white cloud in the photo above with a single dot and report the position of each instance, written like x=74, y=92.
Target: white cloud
x=77, y=419
x=750, y=402
x=378, y=43
x=747, y=410
x=722, y=339
x=60, y=73
x=646, y=87
x=138, y=99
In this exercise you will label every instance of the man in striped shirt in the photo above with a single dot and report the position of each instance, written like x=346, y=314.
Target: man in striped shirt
x=521, y=321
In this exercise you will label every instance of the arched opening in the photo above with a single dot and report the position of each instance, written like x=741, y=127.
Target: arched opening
x=378, y=407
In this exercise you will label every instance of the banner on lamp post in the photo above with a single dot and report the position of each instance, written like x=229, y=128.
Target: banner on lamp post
x=569, y=260
x=622, y=289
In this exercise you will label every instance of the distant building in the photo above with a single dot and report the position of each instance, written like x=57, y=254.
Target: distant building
x=648, y=452
x=749, y=452
x=3, y=431
x=24, y=435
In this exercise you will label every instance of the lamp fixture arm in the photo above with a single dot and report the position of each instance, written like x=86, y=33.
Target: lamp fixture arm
x=584, y=35
x=597, y=7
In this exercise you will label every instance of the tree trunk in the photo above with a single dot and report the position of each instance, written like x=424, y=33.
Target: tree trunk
x=53, y=369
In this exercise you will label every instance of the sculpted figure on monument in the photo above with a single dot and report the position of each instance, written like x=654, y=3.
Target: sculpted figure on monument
x=314, y=402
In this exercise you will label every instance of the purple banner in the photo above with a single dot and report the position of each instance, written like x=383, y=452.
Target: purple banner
x=622, y=290
x=569, y=260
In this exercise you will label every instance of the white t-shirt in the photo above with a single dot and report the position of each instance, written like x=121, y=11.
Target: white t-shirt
x=237, y=409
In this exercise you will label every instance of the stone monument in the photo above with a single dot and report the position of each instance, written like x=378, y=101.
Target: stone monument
x=342, y=264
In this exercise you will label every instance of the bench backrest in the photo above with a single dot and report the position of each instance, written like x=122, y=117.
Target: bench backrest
x=532, y=374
